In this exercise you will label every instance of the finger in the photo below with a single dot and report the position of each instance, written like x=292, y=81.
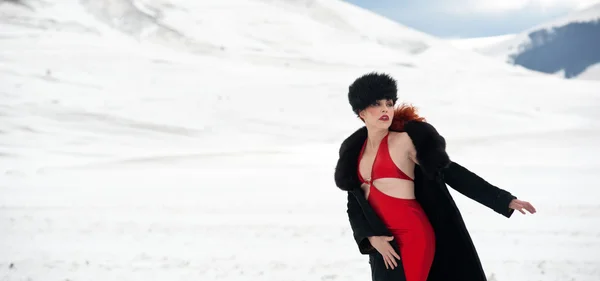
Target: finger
x=386, y=262
x=391, y=252
x=530, y=208
x=518, y=206
x=395, y=254
x=390, y=260
x=393, y=260
x=521, y=210
x=392, y=263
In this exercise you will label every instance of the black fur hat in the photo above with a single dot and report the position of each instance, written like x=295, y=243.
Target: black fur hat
x=369, y=88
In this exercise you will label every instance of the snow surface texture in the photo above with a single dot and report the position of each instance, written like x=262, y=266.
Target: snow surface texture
x=138, y=142
x=568, y=47
x=476, y=43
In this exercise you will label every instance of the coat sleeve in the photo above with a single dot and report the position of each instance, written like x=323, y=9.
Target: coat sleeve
x=478, y=189
x=360, y=226
x=435, y=163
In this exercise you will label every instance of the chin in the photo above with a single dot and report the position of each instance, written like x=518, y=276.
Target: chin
x=382, y=125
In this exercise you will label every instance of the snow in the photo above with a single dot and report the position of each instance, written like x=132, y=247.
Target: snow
x=504, y=47
x=591, y=73
x=475, y=43
x=141, y=152
x=513, y=44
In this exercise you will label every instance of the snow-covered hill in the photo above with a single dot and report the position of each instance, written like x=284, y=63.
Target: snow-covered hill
x=568, y=46
x=180, y=140
x=477, y=43
x=307, y=29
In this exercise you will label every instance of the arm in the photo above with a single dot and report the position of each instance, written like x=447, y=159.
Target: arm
x=348, y=181
x=360, y=226
x=478, y=189
x=430, y=154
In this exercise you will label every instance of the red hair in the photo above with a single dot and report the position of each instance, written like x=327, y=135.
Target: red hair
x=403, y=114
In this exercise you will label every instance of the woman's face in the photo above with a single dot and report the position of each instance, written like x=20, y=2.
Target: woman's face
x=379, y=114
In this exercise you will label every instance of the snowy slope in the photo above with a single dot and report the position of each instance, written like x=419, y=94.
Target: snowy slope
x=568, y=45
x=134, y=147
x=309, y=30
x=479, y=42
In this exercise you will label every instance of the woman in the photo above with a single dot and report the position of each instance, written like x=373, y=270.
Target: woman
x=401, y=215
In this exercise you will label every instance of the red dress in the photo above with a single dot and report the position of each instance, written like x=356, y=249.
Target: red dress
x=404, y=217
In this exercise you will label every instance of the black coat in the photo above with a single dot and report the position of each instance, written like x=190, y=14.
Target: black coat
x=455, y=256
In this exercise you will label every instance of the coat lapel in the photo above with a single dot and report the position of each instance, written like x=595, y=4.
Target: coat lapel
x=346, y=173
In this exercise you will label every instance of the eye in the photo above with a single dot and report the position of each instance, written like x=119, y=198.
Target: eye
x=375, y=103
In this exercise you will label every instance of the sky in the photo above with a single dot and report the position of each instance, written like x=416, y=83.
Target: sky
x=472, y=18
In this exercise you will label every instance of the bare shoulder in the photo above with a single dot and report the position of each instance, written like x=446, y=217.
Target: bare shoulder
x=401, y=139
x=399, y=136
x=404, y=144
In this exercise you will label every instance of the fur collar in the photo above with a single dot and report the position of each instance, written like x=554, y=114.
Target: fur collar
x=430, y=146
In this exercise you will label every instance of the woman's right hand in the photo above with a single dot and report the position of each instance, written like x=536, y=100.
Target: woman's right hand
x=383, y=246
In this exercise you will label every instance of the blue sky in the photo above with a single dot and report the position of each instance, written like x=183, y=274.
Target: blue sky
x=471, y=18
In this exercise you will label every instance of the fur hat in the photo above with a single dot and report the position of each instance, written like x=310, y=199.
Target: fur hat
x=369, y=88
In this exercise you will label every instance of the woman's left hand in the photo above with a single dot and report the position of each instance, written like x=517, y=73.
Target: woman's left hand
x=519, y=205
